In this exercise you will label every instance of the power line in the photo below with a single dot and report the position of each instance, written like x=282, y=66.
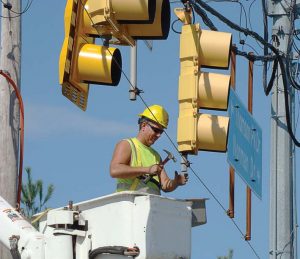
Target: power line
x=9, y=7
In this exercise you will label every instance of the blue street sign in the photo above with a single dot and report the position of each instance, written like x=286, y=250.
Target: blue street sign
x=245, y=144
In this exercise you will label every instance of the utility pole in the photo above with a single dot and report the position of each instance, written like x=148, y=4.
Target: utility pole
x=10, y=62
x=281, y=168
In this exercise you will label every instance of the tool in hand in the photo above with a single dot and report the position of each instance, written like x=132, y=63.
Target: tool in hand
x=169, y=157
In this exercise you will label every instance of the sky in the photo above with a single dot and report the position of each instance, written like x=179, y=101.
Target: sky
x=71, y=149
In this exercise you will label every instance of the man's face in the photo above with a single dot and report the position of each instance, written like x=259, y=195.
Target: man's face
x=152, y=132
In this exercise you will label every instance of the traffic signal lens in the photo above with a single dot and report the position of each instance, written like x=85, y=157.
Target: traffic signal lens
x=212, y=132
x=99, y=65
x=214, y=49
x=213, y=91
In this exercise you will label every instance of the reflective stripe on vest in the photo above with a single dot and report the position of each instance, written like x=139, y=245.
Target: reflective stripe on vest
x=141, y=156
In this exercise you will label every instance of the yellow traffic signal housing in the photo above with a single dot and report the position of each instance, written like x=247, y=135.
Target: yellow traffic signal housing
x=81, y=61
x=202, y=90
x=119, y=22
x=130, y=20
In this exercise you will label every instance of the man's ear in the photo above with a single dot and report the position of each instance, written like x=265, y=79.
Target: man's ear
x=143, y=124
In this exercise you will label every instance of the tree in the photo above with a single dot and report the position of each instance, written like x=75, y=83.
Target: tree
x=33, y=195
x=230, y=255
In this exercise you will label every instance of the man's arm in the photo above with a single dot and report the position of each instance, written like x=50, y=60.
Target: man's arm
x=120, y=163
x=169, y=185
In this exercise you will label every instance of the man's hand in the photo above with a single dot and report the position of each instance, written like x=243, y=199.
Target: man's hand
x=155, y=169
x=181, y=179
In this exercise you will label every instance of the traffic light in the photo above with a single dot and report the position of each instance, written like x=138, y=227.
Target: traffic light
x=130, y=20
x=117, y=22
x=202, y=90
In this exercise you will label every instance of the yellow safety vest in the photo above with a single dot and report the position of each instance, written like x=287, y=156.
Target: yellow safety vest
x=141, y=156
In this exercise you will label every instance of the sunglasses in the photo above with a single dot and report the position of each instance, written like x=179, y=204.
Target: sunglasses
x=156, y=130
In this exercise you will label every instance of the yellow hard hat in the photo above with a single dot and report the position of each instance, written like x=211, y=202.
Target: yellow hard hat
x=156, y=113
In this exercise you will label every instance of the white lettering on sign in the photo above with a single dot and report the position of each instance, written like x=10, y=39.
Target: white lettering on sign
x=240, y=156
x=249, y=133
x=247, y=163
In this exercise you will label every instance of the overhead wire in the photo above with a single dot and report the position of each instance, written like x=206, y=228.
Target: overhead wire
x=287, y=106
x=289, y=48
x=234, y=25
x=266, y=36
x=21, y=153
x=289, y=75
x=223, y=208
x=242, y=10
x=246, y=19
x=249, y=14
x=9, y=7
x=205, y=18
x=250, y=47
x=172, y=142
x=172, y=26
x=296, y=33
x=250, y=24
x=296, y=48
x=211, y=26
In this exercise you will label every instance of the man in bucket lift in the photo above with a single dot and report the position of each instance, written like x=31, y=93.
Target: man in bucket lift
x=136, y=165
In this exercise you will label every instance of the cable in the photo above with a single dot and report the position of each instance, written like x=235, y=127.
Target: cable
x=223, y=208
x=290, y=44
x=18, y=14
x=235, y=26
x=246, y=19
x=211, y=26
x=286, y=103
x=12, y=83
x=172, y=26
x=271, y=82
x=266, y=36
x=250, y=25
x=205, y=18
x=251, y=48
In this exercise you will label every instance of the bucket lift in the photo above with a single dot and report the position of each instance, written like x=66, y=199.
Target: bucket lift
x=120, y=225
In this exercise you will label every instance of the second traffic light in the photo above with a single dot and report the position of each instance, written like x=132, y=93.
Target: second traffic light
x=202, y=90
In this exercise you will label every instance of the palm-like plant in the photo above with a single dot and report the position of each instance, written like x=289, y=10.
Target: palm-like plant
x=33, y=195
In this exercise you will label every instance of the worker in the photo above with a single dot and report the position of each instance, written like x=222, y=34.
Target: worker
x=136, y=165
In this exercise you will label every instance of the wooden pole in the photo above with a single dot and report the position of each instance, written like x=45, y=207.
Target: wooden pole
x=10, y=61
x=230, y=211
x=248, y=191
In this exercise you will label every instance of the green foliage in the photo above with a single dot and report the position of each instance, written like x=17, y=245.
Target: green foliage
x=230, y=255
x=33, y=195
